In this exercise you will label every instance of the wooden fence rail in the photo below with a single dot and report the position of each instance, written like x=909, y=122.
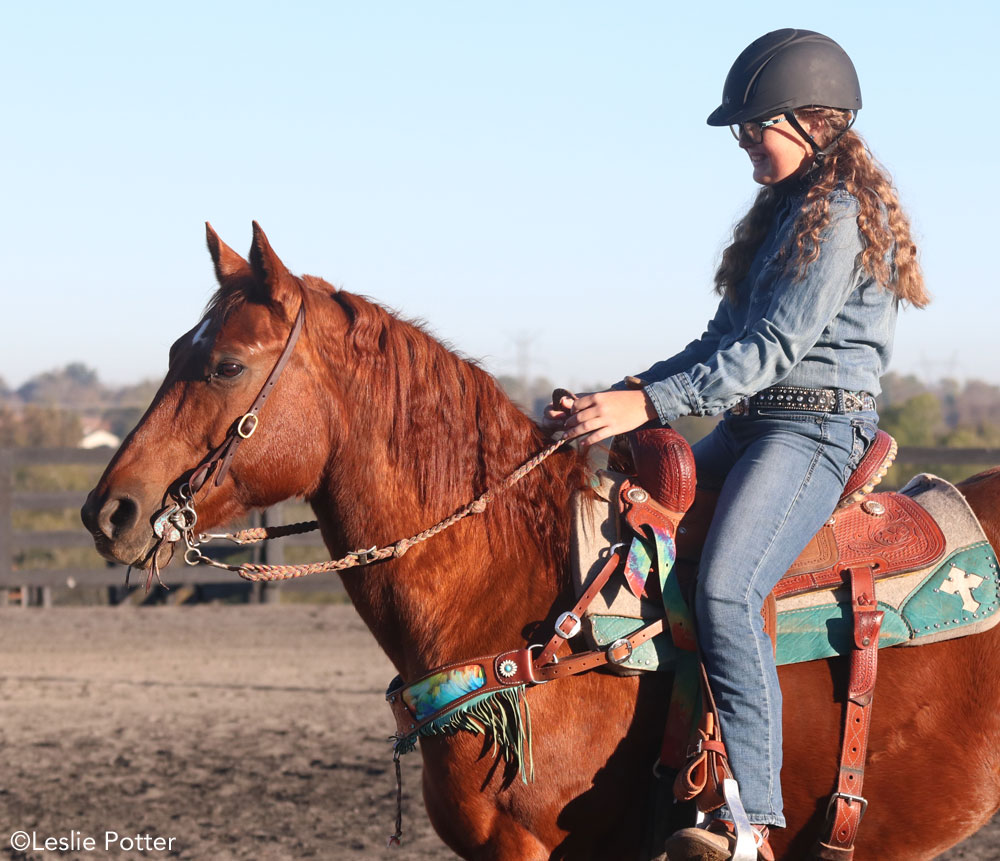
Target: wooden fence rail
x=35, y=585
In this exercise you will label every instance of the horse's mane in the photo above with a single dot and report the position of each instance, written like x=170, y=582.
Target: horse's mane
x=446, y=421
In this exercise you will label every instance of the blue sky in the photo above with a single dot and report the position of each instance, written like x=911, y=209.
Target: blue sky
x=526, y=171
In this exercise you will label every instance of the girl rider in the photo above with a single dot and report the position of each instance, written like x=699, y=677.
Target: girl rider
x=809, y=289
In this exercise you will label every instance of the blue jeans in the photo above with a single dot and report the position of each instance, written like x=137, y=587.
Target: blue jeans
x=780, y=474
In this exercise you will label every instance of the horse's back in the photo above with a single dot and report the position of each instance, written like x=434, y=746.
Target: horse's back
x=983, y=493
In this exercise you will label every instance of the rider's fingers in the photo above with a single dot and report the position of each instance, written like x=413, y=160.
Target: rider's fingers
x=594, y=437
x=583, y=402
x=576, y=428
x=576, y=420
x=592, y=413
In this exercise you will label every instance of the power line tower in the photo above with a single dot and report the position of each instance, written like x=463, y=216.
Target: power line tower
x=522, y=363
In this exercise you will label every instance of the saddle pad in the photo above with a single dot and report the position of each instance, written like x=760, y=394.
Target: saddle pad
x=953, y=593
x=954, y=596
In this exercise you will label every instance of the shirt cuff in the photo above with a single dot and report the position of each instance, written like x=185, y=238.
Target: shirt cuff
x=674, y=397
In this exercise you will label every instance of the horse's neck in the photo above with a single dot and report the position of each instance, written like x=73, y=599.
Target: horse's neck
x=467, y=591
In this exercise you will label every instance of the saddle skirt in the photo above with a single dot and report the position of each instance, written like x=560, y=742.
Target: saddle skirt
x=936, y=573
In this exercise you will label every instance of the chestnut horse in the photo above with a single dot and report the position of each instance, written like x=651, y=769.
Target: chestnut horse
x=384, y=431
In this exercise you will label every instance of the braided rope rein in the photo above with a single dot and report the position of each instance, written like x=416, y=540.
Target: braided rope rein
x=258, y=572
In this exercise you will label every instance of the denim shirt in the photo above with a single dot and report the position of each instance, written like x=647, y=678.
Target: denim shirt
x=833, y=328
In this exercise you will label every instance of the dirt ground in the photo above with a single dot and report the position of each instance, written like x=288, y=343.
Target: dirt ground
x=255, y=733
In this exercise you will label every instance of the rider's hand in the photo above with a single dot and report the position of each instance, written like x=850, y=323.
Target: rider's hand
x=602, y=415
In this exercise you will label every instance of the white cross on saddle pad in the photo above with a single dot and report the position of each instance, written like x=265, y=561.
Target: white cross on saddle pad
x=962, y=583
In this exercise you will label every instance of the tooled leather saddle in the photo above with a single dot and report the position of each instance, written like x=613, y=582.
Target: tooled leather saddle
x=868, y=539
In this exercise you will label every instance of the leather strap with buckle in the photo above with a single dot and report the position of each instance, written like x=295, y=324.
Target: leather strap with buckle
x=847, y=806
x=521, y=667
x=509, y=669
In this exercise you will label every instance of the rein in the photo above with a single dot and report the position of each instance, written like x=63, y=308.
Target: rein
x=258, y=572
x=178, y=518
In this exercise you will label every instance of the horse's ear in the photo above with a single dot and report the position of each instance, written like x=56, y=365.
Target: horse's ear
x=277, y=283
x=229, y=266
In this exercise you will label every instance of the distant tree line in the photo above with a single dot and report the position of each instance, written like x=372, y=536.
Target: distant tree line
x=51, y=409
x=37, y=426
x=945, y=413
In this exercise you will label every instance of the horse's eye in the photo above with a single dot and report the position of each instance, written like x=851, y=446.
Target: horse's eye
x=228, y=369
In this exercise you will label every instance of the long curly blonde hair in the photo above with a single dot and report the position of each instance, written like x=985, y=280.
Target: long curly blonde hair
x=881, y=219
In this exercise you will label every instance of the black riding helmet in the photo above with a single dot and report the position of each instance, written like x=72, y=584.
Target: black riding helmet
x=785, y=70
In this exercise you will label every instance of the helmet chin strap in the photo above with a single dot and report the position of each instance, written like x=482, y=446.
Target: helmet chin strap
x=819, y=154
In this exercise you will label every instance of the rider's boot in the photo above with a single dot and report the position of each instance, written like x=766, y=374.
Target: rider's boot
x=714, y=843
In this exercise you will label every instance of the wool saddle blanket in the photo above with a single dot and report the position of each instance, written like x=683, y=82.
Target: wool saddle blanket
x=952, y=592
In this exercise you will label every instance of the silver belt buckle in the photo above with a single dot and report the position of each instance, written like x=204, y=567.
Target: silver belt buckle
x=741, y=407
x=854, y=403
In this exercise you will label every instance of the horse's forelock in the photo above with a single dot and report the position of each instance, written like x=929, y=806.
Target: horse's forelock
x=230, y=297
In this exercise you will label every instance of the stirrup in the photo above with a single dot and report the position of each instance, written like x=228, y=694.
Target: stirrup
x=717, y=839
x=748, y=838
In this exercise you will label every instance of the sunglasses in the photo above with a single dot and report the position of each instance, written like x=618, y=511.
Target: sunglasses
x=753, y=131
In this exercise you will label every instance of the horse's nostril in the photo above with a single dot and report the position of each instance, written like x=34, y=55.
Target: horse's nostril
x=87, y=513
x=119, y=514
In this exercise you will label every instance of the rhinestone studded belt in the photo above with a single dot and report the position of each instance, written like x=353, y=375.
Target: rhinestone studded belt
x=812, y=400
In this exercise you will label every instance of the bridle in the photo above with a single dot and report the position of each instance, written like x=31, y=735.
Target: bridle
x=178, y=517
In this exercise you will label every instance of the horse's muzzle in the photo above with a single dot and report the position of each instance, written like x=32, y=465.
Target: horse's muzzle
x=116, y=524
